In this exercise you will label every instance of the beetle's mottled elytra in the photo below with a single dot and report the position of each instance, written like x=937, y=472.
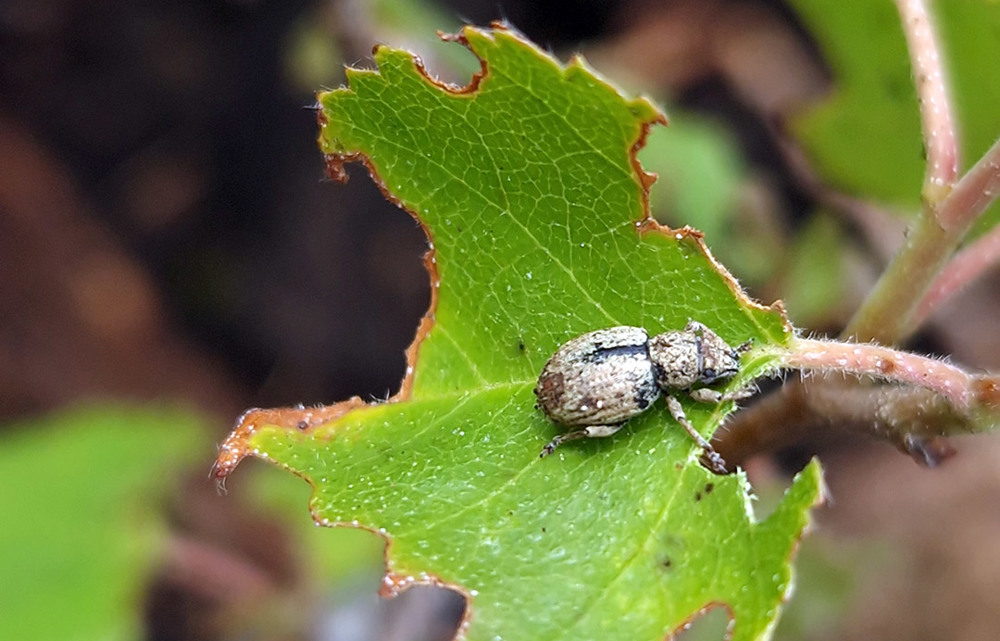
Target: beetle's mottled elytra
x=600, y=379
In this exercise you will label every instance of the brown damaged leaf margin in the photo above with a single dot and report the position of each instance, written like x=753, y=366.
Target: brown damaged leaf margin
x=647, y=224
x=821, y=498
x=303, y=419
x=690, y=234
x=236, y=446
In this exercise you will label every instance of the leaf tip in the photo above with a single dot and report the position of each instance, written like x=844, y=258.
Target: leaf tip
x=235, y=448
x=808, y=491
x=239, y=444
x=335, y=166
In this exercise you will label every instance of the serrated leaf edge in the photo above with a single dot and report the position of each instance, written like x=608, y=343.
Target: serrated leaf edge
x=237, y=445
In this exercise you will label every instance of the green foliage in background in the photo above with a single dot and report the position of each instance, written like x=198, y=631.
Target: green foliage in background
x=699, y=171
x=814, y=283
x=81, y=496
x=866, y=136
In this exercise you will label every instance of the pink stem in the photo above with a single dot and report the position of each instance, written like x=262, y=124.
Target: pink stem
x=965, y=267
x=861, y=359
x=887, y=313
x=935, y=109
x=977, y=190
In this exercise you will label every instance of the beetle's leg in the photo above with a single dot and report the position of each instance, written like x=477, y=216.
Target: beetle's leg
x=694, y=326
x=715, y=461
x=591, y=431
x=709, y=395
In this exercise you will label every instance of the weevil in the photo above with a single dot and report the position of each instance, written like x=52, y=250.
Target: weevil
x=599, y=380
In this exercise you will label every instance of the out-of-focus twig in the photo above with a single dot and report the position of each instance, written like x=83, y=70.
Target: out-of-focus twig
x=915, y=420
x=964, y=268
x=214, y=572
x=940, y=140
x=974, y=193
x=887, y=314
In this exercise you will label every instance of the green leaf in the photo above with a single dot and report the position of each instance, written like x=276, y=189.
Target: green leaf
x=866, y=135
x=81, y=531
x=527, y=186
x=334, y=556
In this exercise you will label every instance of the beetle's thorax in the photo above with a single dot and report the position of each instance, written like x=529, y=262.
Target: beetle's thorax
x=690, y=357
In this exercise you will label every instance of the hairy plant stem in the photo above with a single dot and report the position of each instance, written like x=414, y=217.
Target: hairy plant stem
x=919, y=402
x=921, y=276
x=974, y=193
x=965, y=267
x=940, y=140
x=886, y=315
x=933, y=399
x=956, y=385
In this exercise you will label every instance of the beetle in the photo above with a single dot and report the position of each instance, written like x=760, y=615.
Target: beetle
x=599, y=380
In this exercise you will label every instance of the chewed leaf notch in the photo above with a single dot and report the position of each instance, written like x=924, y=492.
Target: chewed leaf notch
x=527, y=186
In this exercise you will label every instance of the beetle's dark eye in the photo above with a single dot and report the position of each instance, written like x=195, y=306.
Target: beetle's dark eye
x=708, y=375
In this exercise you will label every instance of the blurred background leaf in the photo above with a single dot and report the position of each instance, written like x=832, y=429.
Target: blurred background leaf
x=82, y=493
x=866, y=136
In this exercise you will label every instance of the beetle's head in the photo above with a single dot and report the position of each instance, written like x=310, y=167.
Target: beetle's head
x=692, y=357
x=719, y=361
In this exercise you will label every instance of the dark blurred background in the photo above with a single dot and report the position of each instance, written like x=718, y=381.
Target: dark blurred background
x=167, y=228
x=167, y=231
